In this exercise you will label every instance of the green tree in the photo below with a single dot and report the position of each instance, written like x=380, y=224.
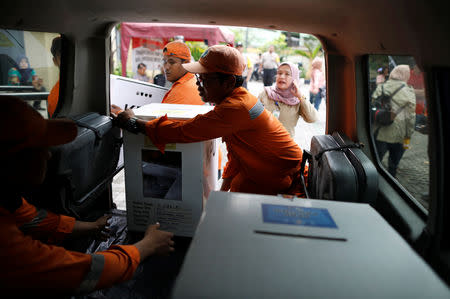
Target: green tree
x=313, y=49
x=281, y=47
x=239, y=34
x=197, y=49
x=279, y=44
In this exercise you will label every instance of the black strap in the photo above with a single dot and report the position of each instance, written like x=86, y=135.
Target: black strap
x=306, y=157
x=96, y=131
x=394, y=93
x=339, y=148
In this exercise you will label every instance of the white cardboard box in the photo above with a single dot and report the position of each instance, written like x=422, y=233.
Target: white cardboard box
x=127, y=92
x=168, y=188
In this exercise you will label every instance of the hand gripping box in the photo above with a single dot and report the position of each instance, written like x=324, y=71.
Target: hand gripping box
x=169, y=188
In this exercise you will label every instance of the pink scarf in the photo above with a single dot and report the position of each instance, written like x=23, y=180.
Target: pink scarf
x=285, y=96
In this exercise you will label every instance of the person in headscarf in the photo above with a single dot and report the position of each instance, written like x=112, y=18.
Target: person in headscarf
x=317, y=84
x=396, y=136
x=23, y=74
x=284, y=97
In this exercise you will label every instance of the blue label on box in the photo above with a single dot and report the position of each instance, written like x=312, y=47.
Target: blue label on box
x=297, y=216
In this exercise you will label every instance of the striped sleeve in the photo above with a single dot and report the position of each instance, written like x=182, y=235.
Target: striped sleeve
x=43, y=224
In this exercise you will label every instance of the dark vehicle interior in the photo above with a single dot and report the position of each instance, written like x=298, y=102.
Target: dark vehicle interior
x=350, y=31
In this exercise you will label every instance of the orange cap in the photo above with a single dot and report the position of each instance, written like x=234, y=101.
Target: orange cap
x=177, y=49
x=220, y=59
x=23, y=127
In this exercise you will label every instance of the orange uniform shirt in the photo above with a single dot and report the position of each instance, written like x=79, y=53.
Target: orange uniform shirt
x=29, y=266
x=52, y=100
x=184, y=91
x=262, y=157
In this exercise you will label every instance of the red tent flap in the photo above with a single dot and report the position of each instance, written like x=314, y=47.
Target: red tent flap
x=213, y=34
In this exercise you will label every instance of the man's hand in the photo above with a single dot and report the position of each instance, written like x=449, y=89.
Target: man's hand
x=37, y=83
x=97, y=229
x=100, y=228
x=122, y=118
x=226, y=184
x=115, y=110
x=155, y=241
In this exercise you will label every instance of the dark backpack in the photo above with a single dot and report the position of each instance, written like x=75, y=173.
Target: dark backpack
x=382, y=113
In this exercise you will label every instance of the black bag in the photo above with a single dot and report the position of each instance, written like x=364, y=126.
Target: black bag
x=382, y=113
x=339, y=170
x=80, y=172
x=323, y=92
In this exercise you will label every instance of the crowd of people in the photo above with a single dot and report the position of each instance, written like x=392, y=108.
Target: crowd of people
x=264, y=68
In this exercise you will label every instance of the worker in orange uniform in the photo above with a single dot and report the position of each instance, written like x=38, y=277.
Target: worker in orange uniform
x=53, y=96
x=184, y=89
x=262, y=157
x=28, y=265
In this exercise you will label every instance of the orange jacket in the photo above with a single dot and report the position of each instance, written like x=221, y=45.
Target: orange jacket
x=30, y=266
x=261, y=154
x=52, y=100
x=184, y=91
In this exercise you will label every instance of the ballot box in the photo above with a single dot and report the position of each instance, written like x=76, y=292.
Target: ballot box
x=169, y=188
x=254, y=246
x=128, y=92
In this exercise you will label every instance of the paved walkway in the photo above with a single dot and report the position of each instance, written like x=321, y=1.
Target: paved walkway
x=413, y=170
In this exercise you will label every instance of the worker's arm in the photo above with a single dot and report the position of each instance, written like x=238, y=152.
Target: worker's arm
x=96, y=228
x=222, y=121
x=230, y=170
x=47, y=226
x=42, y=224
x=30, y=266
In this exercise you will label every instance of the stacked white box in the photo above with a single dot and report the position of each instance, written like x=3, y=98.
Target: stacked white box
x=172, y=188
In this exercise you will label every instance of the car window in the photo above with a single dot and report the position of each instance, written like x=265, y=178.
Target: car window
x=399, y=126
x=27, y=67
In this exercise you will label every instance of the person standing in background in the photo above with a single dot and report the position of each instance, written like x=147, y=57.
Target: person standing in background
x=383, y=74
x=141, y=74
x=285, y=96
x=317, y=83
x=269, y=63
x=256, y=70
x=417, y=82
x=160, y=79
x=246, y=74
x=395, y=138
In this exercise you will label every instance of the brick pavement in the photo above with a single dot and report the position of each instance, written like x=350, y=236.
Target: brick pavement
x=413, y=170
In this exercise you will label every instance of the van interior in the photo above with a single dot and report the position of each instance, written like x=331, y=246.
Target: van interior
x=355, y=36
